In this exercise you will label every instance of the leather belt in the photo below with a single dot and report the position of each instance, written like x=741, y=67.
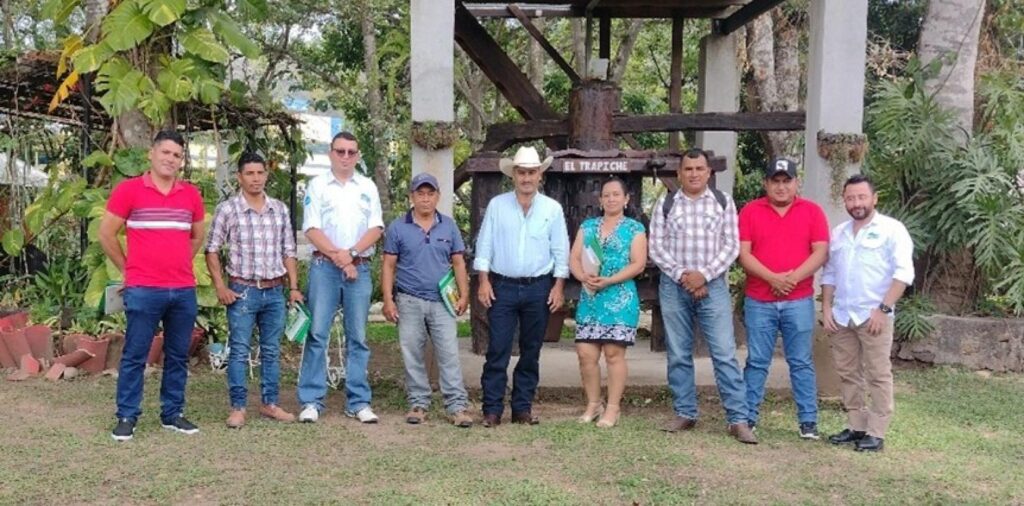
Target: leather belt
x=355, y=261
x=517, y=281
x=259, y=283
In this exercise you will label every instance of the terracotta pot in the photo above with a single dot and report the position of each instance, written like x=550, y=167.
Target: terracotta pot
x=114, y=351
x=40, y=341
x=6, y=359
x=69, y=343
x=12, y=321
x=98, y=347
x=156, y=350
x=75, y=358
x=197, y=340
x=16, y=344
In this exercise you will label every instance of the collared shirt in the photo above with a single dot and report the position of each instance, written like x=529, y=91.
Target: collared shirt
x=159, y=231
x=424, y=257
x=258, y=241
x=697, y=235
x=863, y=267
x=781, y=242
x=520, y=245
x=342, y=211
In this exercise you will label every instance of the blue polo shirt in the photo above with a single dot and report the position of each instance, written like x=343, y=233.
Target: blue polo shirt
x=423, y=257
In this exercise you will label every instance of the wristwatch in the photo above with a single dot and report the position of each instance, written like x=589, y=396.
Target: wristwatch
x=353, y=253
x=885, y=309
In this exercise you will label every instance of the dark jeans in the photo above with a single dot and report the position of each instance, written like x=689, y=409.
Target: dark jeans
x=526, y=305
x=146, y=308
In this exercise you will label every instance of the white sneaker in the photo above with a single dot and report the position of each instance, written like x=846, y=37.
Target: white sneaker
x=309, y=414
x=364, y=415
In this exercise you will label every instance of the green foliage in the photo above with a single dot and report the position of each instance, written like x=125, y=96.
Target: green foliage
x=954, y=196
x=912, y=322
x=126, y=26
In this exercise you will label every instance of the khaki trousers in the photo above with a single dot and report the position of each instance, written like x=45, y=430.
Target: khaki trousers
x=864, y=367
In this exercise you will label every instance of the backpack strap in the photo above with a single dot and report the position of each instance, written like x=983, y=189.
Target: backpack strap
x=670, y=200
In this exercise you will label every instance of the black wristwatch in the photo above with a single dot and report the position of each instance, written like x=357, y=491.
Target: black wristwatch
x=885, y=309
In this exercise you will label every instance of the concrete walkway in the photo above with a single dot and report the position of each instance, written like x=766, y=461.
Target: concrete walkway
x=560, y=368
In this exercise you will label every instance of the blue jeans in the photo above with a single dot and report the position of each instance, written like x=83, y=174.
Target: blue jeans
x=420, y=320
x=764, y=321
x=527, y=306
x=714, y=314
x=146, y=308
x=327, y=289
x=263, y=307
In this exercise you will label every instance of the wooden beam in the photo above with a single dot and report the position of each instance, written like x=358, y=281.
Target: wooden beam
x=675, y=90
x=743, y=16
x=604, y=33
x=500, y=10
x=543, y=41
x=503, y=135
x=501, y=70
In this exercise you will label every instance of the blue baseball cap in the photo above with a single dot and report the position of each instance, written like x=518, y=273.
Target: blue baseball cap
x=421, y=179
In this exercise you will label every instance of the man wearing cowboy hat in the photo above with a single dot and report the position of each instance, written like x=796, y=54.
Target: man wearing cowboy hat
x=522, y=257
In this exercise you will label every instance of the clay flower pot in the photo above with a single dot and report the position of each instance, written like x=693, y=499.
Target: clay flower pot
x=16, y=343
x=16, y=320
x=6, y=358
x=40, y=341
x=98, y=347
x=197, y=340
x=156, y=350
x=114, y=351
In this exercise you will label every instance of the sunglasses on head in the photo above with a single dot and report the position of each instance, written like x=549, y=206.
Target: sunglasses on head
x=346, y=152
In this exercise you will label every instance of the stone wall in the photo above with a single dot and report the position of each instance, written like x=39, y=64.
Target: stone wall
x=996, y=344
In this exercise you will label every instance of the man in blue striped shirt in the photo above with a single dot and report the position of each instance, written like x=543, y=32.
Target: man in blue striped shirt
x=522, y=259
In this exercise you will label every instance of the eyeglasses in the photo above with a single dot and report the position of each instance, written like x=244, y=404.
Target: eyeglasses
x=345, y=152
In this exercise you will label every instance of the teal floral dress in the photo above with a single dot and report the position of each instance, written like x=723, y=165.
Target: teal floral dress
x=613, y=313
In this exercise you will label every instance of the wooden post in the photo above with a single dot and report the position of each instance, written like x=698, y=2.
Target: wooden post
x=485, y=186
x=591, y=108
x=675, y=90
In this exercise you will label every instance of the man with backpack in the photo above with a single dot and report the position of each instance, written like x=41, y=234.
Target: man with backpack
x=694, y=240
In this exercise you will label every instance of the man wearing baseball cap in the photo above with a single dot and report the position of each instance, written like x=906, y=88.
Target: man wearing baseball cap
x=783, y=242
x=419, y=250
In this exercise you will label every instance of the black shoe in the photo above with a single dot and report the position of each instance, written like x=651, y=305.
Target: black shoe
x=809, y=430
x=870, y=443
x=124, y=430
x=847, y=436
x=180, y=424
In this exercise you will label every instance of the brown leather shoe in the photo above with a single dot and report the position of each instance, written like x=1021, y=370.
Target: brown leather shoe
x=462, y=419
x=236, y=419
x=274, y=412
x=525, y=417
x=416, y=416
x=491, y=420
x=742, y=433
x=679, y=423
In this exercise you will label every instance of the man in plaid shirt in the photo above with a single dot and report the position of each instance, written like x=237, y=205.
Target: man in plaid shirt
x=261, y=254
x=693, y=243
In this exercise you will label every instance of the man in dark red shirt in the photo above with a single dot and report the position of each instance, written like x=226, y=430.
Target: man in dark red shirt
x=163, y=220
x=783, y=242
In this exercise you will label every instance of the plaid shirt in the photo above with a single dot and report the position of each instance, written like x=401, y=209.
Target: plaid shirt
x=258, y=242
x=697, y=235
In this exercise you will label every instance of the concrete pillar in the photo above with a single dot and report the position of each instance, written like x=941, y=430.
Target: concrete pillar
x=433, y=86
x=835, y=90
x=719, y=91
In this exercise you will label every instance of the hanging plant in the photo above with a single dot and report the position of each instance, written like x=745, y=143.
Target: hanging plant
x=434, y=135
x=841, y=150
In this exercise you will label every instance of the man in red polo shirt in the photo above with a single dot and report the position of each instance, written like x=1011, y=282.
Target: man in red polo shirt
x=783, y=242
x=163, y=219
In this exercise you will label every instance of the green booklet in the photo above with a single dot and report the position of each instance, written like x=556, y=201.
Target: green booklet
x=298, y=323
x=449, y=291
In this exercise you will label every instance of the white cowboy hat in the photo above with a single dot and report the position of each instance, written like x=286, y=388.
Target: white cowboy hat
x=527, y=158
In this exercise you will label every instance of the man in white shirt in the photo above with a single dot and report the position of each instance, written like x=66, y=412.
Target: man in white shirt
x=342, y=218
x=871, y=263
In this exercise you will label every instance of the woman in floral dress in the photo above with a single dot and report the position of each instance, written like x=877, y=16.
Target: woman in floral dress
x=609, y=307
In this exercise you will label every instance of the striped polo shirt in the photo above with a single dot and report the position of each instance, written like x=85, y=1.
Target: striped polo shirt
x=159, y=230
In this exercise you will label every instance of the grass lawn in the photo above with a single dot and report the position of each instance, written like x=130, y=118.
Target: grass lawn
x=955, y=439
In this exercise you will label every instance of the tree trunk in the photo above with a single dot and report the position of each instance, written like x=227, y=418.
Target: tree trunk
x=95, y=11
x=373, y=102
x=773, y=57
x=579, y=45
x=617, y=69
x=949, y=33
x=536, y=55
